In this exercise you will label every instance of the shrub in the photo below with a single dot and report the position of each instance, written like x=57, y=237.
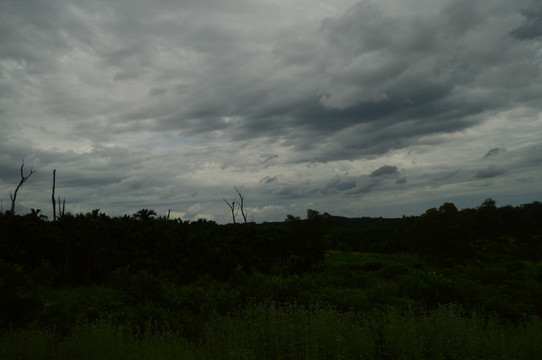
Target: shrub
x=19, y=298
x=429, y=288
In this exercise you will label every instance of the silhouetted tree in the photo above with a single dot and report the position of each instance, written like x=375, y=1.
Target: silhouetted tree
x=232, y=208
x=23, y=180
x=53, y=195
x=144, y=214
x=312, y=214
x=241, y=204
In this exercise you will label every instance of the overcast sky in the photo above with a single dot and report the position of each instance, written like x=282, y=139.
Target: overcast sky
x=356, y=108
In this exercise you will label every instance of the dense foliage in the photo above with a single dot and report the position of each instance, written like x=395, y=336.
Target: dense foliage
x=447, y=233
x=142, y=270
x=88, y=248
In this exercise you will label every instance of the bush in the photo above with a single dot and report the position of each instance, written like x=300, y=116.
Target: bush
x=428, y=288
x=19, y=297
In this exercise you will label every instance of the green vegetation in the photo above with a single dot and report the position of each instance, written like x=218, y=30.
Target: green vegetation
x=270, y=331
x=448, y=284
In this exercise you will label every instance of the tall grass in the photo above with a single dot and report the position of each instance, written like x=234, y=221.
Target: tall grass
x=293, y=332
x=271, y=331
x=94, y=342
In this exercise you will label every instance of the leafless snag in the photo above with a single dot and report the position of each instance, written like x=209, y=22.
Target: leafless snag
x=23, y=180
x=242, y=204
x=61, y=210
x=232, y=208
x=53, y=196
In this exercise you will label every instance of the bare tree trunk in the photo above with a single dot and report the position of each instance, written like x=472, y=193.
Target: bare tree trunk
x=62, y=209
x=242, y=204
x=232, y=208
x=23, y=179
x=53, y=196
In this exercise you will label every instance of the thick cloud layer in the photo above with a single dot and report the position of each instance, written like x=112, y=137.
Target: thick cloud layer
x=369, y=108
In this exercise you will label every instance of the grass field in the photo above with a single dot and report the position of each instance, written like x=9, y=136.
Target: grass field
x=269, y=331
x=355, y=305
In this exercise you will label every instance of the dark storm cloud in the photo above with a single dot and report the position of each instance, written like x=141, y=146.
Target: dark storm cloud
x=385, y=170
x=489, y=172
x=339, y=184
x=268, y=180
x=446, y=178
x=396, y=80
x=346, y=184
x=494, y=152
x=137, y=101
x=533, y=26
x=367, y=67
x=25, y=26
x=383, y=82
x=287, y=191
x=364, y=185
x=268, y=159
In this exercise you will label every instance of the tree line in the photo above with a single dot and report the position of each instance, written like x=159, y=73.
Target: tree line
x=446, y=232
x=88, y=248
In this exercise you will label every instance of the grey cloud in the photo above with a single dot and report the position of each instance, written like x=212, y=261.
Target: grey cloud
x=133, y=183
x=339, y=184
x=194, y=210
x=168, y=193
x=156, y=91
x=460, y=16
x=286, y=190
x=403, y=76
x=364, y=185
x=268, y=180
x=346, y=185
x=494, y=152
x=247, y=86
x=331, y=186
x=489, y=172
x=533, y=27
x=268, y=159
x=448, y=175
x=126, y=75
x=385, y=170
x=445, y=178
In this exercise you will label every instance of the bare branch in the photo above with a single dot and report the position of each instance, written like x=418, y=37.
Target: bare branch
x=232, y=208
x=23, y=179
x=242, y=204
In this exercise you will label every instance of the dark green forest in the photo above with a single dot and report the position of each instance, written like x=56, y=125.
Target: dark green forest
x=144, y=271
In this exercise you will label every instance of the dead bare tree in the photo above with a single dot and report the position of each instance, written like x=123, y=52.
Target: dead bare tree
x=53, y=196
x=241, y=204
x=232, y=208
x=61, y=210
x=23, y=180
